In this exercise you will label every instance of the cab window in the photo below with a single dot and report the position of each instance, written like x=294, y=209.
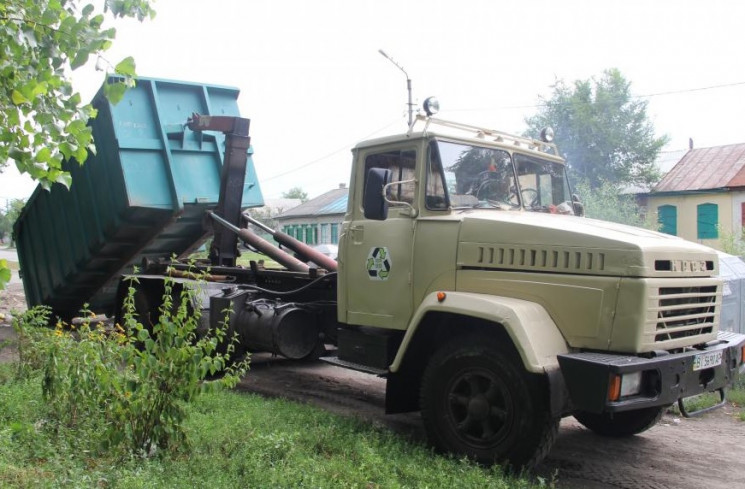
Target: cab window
x=402, y=164
x=436, y=193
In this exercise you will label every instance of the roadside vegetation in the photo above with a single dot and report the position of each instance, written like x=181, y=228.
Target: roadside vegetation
x=234, y=440
x=138, y=406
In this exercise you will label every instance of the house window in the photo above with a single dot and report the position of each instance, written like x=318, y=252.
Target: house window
x=667, y=217
x=305, y=234
x=334, y=234
x=325, y=233
x=707, y=220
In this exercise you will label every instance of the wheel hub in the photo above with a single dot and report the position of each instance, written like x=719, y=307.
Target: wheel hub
x=478, y=408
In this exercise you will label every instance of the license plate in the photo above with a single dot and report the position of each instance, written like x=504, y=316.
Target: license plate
x=707, y=360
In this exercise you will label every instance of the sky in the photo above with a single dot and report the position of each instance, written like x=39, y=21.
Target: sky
x=313, y=82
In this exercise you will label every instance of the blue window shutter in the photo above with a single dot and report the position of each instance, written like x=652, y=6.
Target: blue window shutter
x=667, y=217
x=707, y=220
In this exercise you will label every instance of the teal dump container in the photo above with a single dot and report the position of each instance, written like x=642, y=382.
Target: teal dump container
x=142, y=195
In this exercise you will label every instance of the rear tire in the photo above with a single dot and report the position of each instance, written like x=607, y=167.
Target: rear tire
x=619, y=425
x=477, y=400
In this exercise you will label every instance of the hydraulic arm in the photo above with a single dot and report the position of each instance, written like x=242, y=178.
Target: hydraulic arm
x=224, y=249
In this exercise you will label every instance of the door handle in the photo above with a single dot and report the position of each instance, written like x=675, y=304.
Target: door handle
x=357, y=233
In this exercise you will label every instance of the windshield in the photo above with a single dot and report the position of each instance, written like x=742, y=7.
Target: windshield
x=473, y=176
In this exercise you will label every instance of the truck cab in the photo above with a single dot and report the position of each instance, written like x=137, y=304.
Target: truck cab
x=470, y=280
x=433, y=183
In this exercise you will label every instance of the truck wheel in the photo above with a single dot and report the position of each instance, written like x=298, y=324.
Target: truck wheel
x=478, y=401
x=622, y=424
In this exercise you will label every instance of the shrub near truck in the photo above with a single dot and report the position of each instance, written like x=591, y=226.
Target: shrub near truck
x=466, y=277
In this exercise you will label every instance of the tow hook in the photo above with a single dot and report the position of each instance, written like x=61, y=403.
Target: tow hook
x=686, y=414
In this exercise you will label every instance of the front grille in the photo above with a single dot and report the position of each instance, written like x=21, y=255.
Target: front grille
x=685, y=311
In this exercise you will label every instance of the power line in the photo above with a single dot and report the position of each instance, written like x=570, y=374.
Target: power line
x=650, y=95
x=506, y=107
x=329, y=155
x=688, y=90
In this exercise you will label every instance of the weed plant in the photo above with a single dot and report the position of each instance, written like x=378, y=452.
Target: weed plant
x=124, y=388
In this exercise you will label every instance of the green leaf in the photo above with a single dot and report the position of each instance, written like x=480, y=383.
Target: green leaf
x=126, y=67
x=16, y=154
x=39, y=89
x=67, y=150
x=80, y=59
x=143, y=335
x=4, y=273
x=18, y=98
x=76, y=128
x=65, y=179
x=43, y=155
x=81, y=154
x=114, y=92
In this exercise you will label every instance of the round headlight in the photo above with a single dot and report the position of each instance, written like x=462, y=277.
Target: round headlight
x=431, y=106
x=547, y=135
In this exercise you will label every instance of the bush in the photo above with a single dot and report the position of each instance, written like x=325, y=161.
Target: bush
x=607, y=203
x=126, y=386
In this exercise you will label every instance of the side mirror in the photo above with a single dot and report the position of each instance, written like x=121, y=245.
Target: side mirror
x=374, y=203
x=579, y=208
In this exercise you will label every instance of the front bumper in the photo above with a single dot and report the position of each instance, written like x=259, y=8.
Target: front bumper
x=665, y=378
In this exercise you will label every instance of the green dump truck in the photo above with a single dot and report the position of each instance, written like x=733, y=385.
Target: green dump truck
x=466, y=277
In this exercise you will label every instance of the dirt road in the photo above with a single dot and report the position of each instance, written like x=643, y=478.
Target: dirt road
x=676, y=454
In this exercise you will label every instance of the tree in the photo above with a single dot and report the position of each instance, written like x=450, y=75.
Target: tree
x=603, y=132
x=42, y=119
x=605, y=202
x=8, y=218
x=5, y=226
x=296, y=193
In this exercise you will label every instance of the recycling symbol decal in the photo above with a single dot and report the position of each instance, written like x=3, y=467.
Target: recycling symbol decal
x=379, y=263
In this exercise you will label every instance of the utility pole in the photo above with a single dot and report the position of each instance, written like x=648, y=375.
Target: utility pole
x=408, y=85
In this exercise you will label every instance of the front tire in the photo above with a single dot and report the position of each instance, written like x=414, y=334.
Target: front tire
x=619, y=425
x=478, y=401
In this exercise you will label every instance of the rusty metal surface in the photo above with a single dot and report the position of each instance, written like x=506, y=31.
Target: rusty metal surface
x=300, y=248
x=706, y=169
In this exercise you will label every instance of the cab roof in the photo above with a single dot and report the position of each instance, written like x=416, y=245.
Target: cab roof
x=456, y=131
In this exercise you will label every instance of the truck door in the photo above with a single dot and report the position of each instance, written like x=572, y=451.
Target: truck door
x=377, y=255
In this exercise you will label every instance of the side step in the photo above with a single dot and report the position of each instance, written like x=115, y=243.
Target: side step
x=355, y=366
